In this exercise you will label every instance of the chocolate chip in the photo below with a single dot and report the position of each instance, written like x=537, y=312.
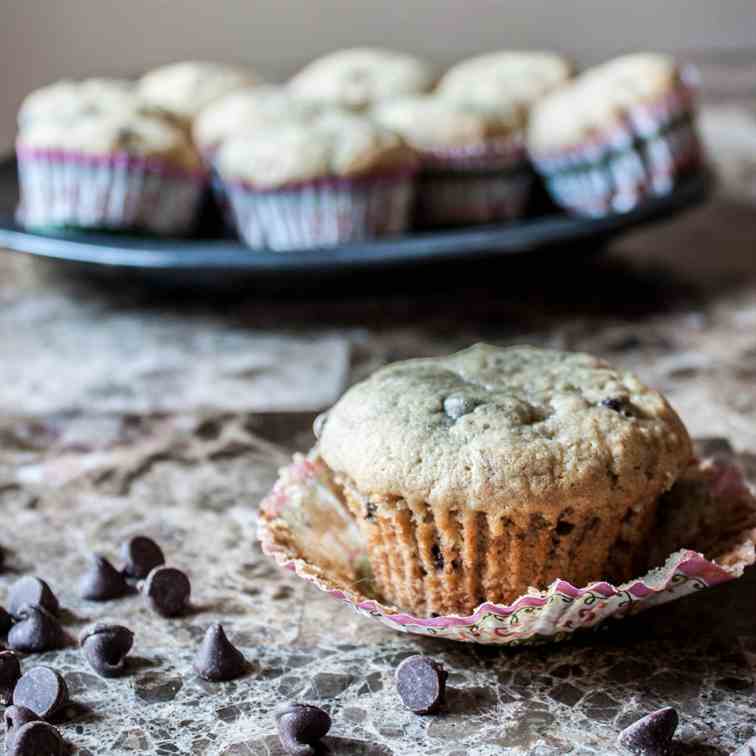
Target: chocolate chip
x=421, y=683
x=456, y=406
x=15, y=718
x=102, y=581
x=651, y=735
x=6, y=621
x=36, y=739
x=105, y=647
x=42, y=690
x=36, y=631
x=141, y=555
x=437, y=556
x=370, y=510
x=620, y=405
x=300, y=727
x=747, y=749
x=218, y=659
x=31, y=591
x=167, y=591
x=10, y=672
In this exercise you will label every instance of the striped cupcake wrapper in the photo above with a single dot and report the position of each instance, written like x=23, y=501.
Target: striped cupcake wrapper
x=481, y=184
x=115, y=192
x=323, y=212
x=445, y=561
x=641, y=156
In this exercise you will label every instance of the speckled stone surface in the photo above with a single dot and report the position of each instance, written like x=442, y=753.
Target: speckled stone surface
x=125, y=411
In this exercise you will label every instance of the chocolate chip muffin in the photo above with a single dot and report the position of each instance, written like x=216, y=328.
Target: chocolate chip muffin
x=361, y=76
x=619, y=133
x=479, y=475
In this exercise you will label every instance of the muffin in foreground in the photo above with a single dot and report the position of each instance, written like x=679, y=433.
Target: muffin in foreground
x=185, y=89
x=479, y=475
x=619, y=133
x=335, y=179
x=473, y=163
x=359, y=77
x=122, y=171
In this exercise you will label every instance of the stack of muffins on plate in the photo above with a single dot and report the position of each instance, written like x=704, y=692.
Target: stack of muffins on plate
x=360, y=144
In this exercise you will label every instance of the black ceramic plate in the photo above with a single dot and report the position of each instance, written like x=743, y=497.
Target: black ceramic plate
x=212, y=259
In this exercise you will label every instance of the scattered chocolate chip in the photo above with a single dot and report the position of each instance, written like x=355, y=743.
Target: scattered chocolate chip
x=651, y=735
x=319, y=424
x=105, y=647
x=36, y=739
x=300, y=727
x=141, y=555
x=10, y=672
x=102, y=581
x=218, y=659
x=438, y=557
x=6, y=621
x=421, y=683
x=618, y=404
x=31, y=591
x=42, y=690
x=15, y=718
x=167, y=591
x=747, y=749
x=35, y=631
x=370, y=510
x=456, y=406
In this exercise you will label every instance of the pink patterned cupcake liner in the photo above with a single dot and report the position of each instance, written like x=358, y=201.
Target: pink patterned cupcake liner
x=484, y=183
x=304, y=525
x=642, y=155
x=322, y=212
x=115, y=192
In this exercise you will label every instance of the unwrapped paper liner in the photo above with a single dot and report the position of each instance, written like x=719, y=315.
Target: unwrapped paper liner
x=304, y=525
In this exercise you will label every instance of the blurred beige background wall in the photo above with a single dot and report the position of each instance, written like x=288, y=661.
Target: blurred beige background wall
x=42, y=40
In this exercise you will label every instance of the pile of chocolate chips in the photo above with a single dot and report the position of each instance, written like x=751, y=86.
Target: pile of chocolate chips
x=31, y=625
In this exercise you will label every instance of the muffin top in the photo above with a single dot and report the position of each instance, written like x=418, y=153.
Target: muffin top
x=598, y=98
x=65, y=100
x=119, y=132
x=361, y=76
x=506, y=80
x=334, y=144
x=429, y=122
x=248, y=109
x=505, y=429
x=184, y=89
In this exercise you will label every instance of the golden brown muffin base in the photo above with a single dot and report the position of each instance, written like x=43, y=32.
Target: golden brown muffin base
x=444, y=561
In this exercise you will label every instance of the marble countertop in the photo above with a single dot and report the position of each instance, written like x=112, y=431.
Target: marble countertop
x=124, y=410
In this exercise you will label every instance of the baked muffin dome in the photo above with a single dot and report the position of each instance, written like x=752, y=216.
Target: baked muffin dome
x=505, y=80
x=358, y=77
x=247, y=109
x=481, y=474
x=66, y=100
x=184, y=89
x=332, y=145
